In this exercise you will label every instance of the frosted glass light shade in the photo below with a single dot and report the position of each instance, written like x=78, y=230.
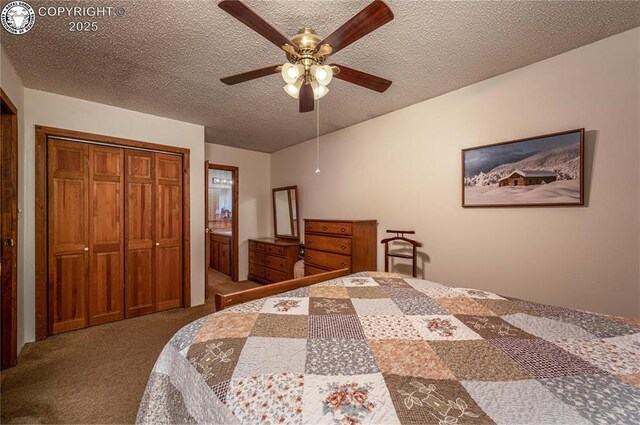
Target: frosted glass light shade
x=293, y=90
x=323, y=74
x=291, y=72
x=318, y=90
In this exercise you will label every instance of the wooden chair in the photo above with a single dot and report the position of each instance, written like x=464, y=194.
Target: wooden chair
x=400, y=237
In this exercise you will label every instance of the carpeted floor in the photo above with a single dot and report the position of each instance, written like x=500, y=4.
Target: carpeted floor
x=94, y=375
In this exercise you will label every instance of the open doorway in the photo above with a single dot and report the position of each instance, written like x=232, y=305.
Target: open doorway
x=8, y=231
x=221, y=226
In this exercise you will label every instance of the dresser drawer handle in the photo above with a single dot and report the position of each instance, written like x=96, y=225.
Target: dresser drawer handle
x=343, y=229
x=281, y=265
x=309, y=257
x=324, y=228
x=309, y=242
x=308, y=227
x=343, y=247
x=343, y=264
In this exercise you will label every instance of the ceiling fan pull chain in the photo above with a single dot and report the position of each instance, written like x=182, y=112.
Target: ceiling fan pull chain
x=317, y=136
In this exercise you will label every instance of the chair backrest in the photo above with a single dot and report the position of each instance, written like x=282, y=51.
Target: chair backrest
x=400, y=237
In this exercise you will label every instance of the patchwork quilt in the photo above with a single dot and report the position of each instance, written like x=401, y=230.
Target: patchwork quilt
x=379, y=348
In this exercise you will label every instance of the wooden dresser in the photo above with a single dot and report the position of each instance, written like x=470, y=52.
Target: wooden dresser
x=336, y=244
x=272, y=260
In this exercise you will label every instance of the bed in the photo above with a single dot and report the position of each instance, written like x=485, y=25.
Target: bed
x=385, y=349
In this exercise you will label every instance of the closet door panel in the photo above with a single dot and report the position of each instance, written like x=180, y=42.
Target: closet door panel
x=139, y=234
x=168, y=178
x=68, y=235
x=107, y=234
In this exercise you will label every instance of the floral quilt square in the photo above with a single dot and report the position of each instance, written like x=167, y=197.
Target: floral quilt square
x=388, y=327
x=522, y=402
x=347, y=400
x=367, y=292
x=546, y=328
x=409, y=358
x=358, y=282
x=376, y=307
x=443, y=292
x=601, y=399
x=264, y=356
x=478, y=360
x=477, y=293
x=543, y=359
x=427, y=401
x=267, y=399
x=442, y=328
x=392, y=282
x=281, y=326
x=335, y=326
x=282, y=305
x=215, y=360
x=328, y=292
x=493, y=327
x=333, y=356
x=235, y=325
x=318, y=306
x=607, y=355
x=463, y=305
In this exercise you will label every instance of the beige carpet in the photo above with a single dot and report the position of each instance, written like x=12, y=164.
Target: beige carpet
x=94, y=375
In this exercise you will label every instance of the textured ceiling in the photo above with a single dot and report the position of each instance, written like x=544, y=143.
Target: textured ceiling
x=166, y=57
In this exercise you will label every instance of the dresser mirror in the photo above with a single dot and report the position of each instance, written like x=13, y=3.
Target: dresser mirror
x=285, y=212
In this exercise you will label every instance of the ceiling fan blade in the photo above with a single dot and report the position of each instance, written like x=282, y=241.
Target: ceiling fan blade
x=241, y=12
x=306, y=98
x=250, y=75
x=362, y=78
x=368, y=19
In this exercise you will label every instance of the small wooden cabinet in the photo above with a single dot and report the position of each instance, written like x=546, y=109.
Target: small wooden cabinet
x=338, y=244
x=272, y=260
x=220, y=253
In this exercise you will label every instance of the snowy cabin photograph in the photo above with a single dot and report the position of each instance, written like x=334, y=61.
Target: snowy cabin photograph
x=537, y=171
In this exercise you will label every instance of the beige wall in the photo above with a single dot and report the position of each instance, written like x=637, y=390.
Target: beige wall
x=65, y=112
x=12, y=85
x=404, y=170
x=255, y=217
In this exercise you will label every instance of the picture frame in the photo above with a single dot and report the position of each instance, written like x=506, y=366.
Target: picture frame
x=539, y=171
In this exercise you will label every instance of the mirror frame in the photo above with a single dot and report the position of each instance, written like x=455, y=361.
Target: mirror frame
x=275, y=217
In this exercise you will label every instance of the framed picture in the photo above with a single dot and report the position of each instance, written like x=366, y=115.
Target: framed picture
x=533, y=172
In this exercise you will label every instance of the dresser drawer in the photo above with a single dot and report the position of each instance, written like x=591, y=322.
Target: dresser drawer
x=275, y=275
x=327, y=259
x=276, y=249
x=257, y=257
x=328, y=243
x=277, y=263
x=256, y=270
x=256, y=246
x=310, y=270
x=328, y=227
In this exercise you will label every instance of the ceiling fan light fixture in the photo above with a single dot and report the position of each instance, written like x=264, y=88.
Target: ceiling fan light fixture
x=291, y=72
x=293, y=90
x=322, y=73
x=318, y=90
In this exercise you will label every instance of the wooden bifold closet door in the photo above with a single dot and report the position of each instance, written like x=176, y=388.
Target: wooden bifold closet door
x=115, y=233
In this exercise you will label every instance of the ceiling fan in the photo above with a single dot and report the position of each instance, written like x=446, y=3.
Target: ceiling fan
x=305, y=71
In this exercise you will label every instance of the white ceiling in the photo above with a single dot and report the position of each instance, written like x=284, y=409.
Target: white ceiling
x=166, y=58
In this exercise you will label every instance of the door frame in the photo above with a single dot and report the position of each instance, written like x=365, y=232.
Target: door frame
x=234, y=220
x=41, y=213
x=9, y=231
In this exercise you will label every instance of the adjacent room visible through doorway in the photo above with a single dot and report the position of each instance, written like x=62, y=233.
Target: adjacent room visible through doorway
x=221, y=230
